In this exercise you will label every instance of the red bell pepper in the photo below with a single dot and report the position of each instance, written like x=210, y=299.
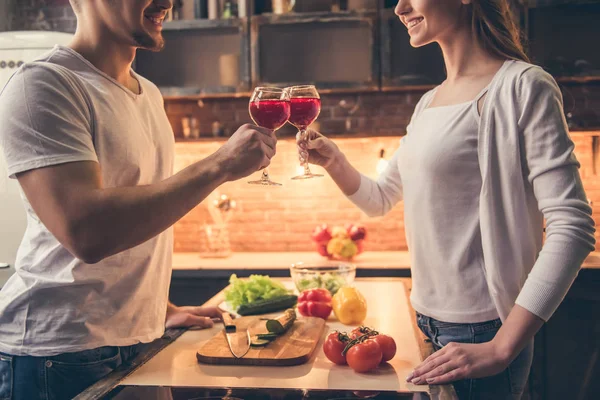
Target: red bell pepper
x=315, y=303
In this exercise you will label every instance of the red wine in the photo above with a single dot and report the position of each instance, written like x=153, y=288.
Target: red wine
x=304, y=111
x=270, y=114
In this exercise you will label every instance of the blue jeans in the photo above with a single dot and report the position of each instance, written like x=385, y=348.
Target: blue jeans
x=509, y=384
x=58, y=377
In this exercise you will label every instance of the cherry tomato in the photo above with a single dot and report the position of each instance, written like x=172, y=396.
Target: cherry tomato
x=359, y=331
x=388, y=346
x=365, y=356
x=356, y=332
x=333, y=347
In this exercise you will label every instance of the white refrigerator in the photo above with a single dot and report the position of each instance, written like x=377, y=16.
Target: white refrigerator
x=16, y=48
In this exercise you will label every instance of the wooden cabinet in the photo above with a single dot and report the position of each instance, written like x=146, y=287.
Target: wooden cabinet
x=562, y=38
x=403, y=65
x=567, y=349
x=200, y=56
x=331, y=50
x=365, y=48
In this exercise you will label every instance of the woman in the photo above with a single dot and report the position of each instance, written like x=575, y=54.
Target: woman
x=486, y=159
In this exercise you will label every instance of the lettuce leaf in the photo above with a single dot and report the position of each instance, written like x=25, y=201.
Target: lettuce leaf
x=256, y=287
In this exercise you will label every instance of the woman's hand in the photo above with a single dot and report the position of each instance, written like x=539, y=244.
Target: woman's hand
x=457, y=361
x=190, y=317
x=319, y=150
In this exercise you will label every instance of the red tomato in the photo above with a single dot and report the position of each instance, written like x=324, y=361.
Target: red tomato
x=388, y=346
x=333, y=347
x=365, y=356
x=359, y=331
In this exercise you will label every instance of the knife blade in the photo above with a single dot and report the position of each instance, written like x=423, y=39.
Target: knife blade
x=237, y=339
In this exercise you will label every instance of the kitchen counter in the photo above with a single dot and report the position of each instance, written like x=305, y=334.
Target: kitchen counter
x=176, y=365
x=370, y=260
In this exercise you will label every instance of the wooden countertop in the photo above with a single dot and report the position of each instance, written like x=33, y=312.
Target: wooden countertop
x=381, y=260
x=176, y=365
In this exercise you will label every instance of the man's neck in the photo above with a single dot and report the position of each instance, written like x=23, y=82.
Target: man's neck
x=106, y=54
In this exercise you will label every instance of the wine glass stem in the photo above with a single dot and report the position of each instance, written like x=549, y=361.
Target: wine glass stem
x=265, y=175
x=304, y=136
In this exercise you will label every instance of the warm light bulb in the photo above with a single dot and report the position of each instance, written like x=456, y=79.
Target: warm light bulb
x=299, y=170
x=381, y=165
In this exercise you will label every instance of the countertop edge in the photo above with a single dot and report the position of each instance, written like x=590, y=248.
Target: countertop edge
x=386, y=260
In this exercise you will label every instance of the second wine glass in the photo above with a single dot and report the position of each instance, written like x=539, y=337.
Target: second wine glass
x=305, y=107
x=269, y=108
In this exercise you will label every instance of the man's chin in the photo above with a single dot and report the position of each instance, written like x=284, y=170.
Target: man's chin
x=148, y=42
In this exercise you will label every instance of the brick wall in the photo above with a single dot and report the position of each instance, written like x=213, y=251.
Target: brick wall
x=282, y=219
x=374, y=113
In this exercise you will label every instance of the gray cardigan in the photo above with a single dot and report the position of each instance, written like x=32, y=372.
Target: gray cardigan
x=529, y=173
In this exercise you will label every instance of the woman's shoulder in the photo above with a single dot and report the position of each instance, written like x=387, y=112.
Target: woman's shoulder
x=424, y=100
x=522, y=76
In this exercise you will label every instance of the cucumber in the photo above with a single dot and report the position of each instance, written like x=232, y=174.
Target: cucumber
x=256, y=342
x=268, y=306
x=267, y=336
x=282, y=323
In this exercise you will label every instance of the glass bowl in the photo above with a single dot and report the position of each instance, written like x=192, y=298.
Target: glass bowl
x=330, y=275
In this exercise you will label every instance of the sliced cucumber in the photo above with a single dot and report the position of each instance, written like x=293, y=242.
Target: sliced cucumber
x=267, y=336
x=256, y=342
x=282, y=323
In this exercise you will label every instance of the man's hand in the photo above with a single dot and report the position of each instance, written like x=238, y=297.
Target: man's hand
x=191, y=317
x=249, y=149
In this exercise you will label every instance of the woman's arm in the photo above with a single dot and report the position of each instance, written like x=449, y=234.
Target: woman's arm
x=553, y=172
x=324, y=152
x=375, y=198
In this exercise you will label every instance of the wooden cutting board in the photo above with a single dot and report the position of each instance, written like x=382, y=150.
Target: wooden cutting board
x=295, y=347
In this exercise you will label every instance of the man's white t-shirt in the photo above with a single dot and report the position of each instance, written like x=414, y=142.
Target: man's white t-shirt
x=62, y=109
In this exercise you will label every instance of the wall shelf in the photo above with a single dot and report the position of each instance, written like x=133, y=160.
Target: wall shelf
x=578, y=79
x=194, y=24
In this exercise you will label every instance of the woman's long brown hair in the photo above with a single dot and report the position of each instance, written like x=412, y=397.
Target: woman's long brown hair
x=495, y=29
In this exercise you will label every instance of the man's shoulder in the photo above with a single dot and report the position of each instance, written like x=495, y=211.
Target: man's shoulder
x=36, y=78
x=150, y=88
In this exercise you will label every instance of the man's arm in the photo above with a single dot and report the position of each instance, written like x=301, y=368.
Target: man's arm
x=93, y=222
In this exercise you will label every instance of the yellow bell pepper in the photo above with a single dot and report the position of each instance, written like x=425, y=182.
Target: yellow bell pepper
x=349, y=306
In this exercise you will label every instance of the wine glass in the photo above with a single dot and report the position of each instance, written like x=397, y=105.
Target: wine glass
x=269, y=108
x=305, y=104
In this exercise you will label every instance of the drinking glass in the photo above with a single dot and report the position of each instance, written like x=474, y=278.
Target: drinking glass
x=305, y=106
x=269, y=108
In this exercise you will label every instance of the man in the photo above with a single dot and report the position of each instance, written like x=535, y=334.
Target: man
x=91, y=147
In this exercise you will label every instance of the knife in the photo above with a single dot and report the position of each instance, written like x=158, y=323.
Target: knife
x=238, y=341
